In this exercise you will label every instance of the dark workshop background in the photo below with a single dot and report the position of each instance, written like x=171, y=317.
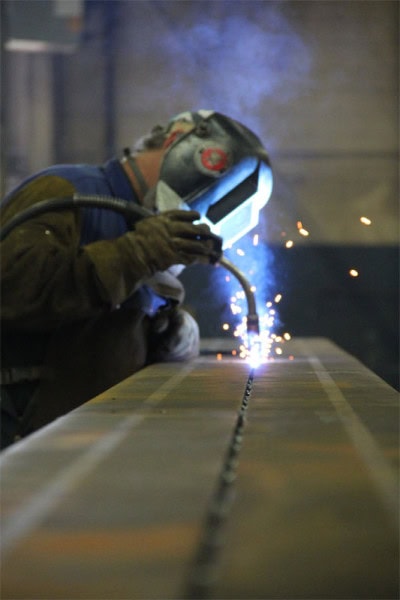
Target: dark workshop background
x=317, y=80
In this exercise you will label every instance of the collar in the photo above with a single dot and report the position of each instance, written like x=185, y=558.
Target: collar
x=118, y=180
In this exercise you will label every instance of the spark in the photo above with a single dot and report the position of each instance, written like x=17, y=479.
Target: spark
x=236, y=310
x=289, y=244
x=260, y=348
x=256, y=348
x=219, y=356
x=301, y=229
x=353, y=272
x=365, y=220
x=304, y=232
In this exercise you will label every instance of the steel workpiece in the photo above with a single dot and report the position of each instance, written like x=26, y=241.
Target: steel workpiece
x=207, y=479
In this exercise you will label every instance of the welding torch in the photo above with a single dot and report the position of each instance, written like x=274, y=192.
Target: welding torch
x=133, y=212
x=253, y=322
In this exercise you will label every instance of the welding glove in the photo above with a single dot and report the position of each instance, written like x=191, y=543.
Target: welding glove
x=176, y=338
x=170, y=238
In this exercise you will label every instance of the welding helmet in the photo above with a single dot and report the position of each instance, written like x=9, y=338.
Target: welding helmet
x=217, y=166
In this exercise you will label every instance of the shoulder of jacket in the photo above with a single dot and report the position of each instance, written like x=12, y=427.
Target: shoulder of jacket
x=42, y=187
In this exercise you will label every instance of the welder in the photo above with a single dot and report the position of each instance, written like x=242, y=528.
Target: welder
x=88, y=296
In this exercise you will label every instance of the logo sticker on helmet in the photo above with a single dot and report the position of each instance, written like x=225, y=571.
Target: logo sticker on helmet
x=214, y=159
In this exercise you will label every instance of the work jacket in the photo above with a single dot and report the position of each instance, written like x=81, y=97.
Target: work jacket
x=73, y=313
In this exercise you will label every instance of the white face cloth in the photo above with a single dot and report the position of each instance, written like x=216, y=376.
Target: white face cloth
x=167, y=199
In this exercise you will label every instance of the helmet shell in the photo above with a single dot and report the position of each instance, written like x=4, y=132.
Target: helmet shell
x=219, y=168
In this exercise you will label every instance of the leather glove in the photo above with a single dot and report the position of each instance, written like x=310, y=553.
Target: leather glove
x=123, y=264
x=170, y=238
x=174, y=337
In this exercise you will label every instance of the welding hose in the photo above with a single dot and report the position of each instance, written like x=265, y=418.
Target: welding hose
x=132, y=212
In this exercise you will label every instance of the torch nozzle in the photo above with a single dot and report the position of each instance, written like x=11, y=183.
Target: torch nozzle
x=253, y=324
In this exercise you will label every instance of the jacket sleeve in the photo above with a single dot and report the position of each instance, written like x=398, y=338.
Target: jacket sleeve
x=47, y=278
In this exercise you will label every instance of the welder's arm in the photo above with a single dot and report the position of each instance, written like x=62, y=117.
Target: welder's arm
x=155, y=244
x=47, y=279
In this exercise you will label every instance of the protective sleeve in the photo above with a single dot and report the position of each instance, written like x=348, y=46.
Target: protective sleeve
x=47, y=279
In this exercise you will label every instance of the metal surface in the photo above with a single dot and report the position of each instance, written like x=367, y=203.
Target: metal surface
x=116, y=500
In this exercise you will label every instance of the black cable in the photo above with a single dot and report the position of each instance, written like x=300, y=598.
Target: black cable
x=130, y=210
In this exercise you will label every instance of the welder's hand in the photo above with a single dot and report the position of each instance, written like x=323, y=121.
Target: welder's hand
x=173, y=337
x=171, y=238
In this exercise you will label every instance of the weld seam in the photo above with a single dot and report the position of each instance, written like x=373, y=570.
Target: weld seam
x=204, y=569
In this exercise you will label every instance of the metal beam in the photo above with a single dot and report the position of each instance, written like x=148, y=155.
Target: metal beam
x=187, y=481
